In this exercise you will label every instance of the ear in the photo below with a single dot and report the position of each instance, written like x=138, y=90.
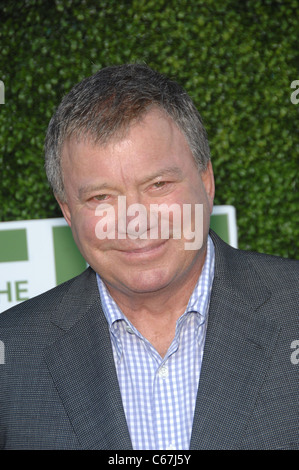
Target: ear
x=65, y=211
x=207, y=177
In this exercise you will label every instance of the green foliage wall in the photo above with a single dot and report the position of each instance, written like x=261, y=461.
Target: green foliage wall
x=237, y=59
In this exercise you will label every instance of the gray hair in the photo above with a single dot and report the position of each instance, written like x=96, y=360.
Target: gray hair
x=103, y=106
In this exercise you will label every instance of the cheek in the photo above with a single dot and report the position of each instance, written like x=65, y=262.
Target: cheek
x=83, y=229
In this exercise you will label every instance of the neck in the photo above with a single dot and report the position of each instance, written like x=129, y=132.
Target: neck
x=155, y=314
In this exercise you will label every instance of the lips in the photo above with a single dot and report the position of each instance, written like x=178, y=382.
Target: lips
x=148, y=248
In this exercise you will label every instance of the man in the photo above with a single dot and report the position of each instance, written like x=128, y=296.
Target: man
x=156, y=345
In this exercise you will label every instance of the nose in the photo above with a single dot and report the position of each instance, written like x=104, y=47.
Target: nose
x=132, y=217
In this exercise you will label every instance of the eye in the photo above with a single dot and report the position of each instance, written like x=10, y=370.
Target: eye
x=101, y=197
x=159, y=184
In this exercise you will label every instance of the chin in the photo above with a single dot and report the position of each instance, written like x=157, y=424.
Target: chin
x=148, y=281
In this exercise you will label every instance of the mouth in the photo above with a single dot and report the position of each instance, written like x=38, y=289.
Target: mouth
x=153, y=249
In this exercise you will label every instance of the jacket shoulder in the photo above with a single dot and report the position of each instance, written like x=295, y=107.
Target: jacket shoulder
x=277, y=270
x=271, y=268
x=43, y=304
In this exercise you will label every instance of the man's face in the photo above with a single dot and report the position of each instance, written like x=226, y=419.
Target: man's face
x=151, y=164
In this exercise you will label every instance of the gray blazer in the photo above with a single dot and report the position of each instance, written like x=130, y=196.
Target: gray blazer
x=59, y=388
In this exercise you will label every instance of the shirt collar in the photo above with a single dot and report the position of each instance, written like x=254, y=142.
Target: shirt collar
x=198, y=302
x=200, y=297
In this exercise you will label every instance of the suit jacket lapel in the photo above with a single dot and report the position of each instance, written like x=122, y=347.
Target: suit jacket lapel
x=238, y=348
x=82, y=366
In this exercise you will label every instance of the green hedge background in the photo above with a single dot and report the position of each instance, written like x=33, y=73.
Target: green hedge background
x=237, y=59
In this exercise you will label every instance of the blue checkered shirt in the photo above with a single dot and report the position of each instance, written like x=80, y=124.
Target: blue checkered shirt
x=159, y=394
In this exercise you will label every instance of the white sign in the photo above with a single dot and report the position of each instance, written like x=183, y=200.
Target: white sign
x=35, y=255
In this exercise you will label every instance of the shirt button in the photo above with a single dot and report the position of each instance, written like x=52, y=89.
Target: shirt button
x=129, y=330
x=163, y=372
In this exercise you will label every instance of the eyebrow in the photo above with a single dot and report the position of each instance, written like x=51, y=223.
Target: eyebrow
x=170, y=171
